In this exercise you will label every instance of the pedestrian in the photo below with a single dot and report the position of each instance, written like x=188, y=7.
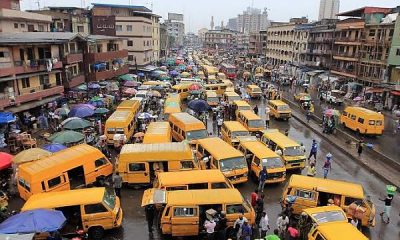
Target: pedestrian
x=308, y=116
x=267, y=117
x=274, y=236
x=302, y=148
x=388, y=205
x=259, y=208
x=264, y=225
x=254, y=197
x=247, y=232
x=209, y=225
x=313, y=151
x=220, y=121
x=327, y=165
x=360, y=148
x=255, y=109
x=262, y=177
x=149, y=211
x=238, y=225
x=354, y=222
x=311, y=171
x=287, y=132
x=293, y=232
x=282, y=222
x=221, y=226
x=117, y=180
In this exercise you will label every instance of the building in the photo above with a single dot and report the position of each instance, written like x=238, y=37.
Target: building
x=394, y=58
x=280, y=42
x=156, y=38
x=202, y=34
x=252, y=20
x=163, y=40
x=218, y=39
x=10, y=4
x=300, y=43
x=176, y=28
x=258, y=43
x=328, y=9
x=135, y=24
x=67, y=19
x=232, y=24
x=191, y=40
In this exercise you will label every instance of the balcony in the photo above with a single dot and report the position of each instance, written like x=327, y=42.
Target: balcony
x=38, y=93
x=75, y=81
x=108, y=74
x=106, y=56
x=31, y=66
x=345, y=56
x=4, y=102
x=343, y=71
x=73, y=58
x=348, y=40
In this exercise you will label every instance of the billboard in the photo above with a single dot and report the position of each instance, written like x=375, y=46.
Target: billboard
x=103, y=25
x=175, y=17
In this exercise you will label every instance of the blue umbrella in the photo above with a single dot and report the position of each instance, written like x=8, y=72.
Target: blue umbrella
x=54, y=147
x=198, y=105
x=81, y=112
x=173, y=73
x=96, y=102
x=6, y=117
x=33, y=221
x=140, y=74
x=94, y=86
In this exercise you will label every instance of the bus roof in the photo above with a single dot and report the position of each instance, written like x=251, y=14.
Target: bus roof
x=188, y=120
x=211, y=93
x=51, y=200
x=119, y=116
x=218, y=148
x=327, y=185
x=241, y=103
x=363, y=111
x=259, y=149
x=194, y=176
x=253, y=86
x=206, y=196
x=280, y=138
x=156, y=152
x=341, y=230
x=314, y=210
x=229, y=94
x=235, y=125
x=277, y=102
x=157, y=128
x=128, y=104
x=250, y=115
x=39, y=169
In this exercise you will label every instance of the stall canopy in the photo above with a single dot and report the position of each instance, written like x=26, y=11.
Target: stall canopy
x=6, y=117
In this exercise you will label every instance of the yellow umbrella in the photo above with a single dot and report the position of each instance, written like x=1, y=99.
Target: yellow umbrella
x=29, y=155
x=246, y=74
x=185, y=74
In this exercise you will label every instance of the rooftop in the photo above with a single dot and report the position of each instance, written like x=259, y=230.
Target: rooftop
x=134, y=7
x=364, y=10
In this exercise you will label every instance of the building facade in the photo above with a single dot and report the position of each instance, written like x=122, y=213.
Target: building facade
x=176, y=28
x=394, y=59
x=300, y=43
x=328, y=9
x=218, y=39
x=163, y=40
x=280, y=42
x=10, y=4
x=12, y=20
x=258, y=43
x=156, y=38
x=252, y=20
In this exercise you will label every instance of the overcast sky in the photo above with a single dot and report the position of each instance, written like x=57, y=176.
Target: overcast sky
x=198, y=12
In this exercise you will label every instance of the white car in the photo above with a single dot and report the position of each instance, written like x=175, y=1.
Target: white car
x=333, y=96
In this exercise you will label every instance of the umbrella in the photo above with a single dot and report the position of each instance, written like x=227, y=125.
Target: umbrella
x=173, y=73
x=96, y=103
x=357, y=99
x=5, y=160
x=155, y=93
x=145, y=115
x=61, y=111
x=199, y=105
x=7, y=117
x=163, y=78
x=75, y=123
x=331, y=112
x=81, y=111
x=140, y=74
x=65, y=137
x=397, y=113
x=112, y=86
x=33, y=221
x=194, y=87
x=31, y=154
x=54, y=147
x=84, y=105
x=125, y=77
x=164, y=68
x=130, y=84
x=101, y=111
x=130, y=91
x=185, y=74
x=81, y=87
x=138, y=135
x=94, y=86
x=305, y=98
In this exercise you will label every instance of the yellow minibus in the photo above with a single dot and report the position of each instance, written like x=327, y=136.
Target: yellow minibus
x=231, y=130
x=158, y=132
x=279, y=110
x=212, y=98
x=254, y=91
x=217, y=154
x=129, y=105
x=363, y=121
x=310, y=192
x=219, y=88
x=139, y=163
x=230, y=97
x=290, y=151
x=186, y=127
x=191, y=180
x=74, y=167
x=251, y=121
x=241, y=105
x=184, y=212
x=93, y=210
x=120, y=122
x=182, y=90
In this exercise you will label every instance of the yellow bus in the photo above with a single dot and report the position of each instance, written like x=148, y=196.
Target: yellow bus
x=259, y=156
x=93, y=209
x=254, y=91
x=172, y=104
x=230, y=97
x=186, y=127
x=191, y=180
x=183, y=212
x=290, y=151
x=158, y=132
x=219, y=88
x=74, y=167
x=363, y=121
x=251, y=121
x=279, y=109
x=129, y=105
x=217, y=154
x=201, y=75
x=212, y=98
x=221, y=76
x=182, y=90
x=241, y=105
x=139, y=163
x=313, y=192
x=120, y=122
x=231, y=130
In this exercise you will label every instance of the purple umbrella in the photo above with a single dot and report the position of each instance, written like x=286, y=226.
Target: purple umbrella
x=94, y=86
x=81, y=111
x=173, y=73
x=130, y=84
x=84, y=105
x=53, y=147
x=96, y=102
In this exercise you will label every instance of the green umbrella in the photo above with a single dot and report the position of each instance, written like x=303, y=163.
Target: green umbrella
x=75, y=123
x=96, y=98
x=163, y=78
x=126, y=77
x=101, y=111
x=66, y=137
x=82, y=87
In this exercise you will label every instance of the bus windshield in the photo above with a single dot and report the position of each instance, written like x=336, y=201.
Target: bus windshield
x=230, y=164
x=234, y=98
x=196, y=134
x=240, y=134
x=255, y=123
x=331, y=216
x=283, y=108
x=292, y=151
x=212, y=99
x=244, y=108
x=109, y=198
x=275, y=162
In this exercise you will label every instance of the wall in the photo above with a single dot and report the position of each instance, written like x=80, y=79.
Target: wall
x=103, y=25
x=393, y=58
x=7, y=26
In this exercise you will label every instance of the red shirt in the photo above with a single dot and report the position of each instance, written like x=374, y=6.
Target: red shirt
x=293, y=232
x=254, y=197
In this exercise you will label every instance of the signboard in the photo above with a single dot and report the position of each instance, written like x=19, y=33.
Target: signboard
x=103, y=25
x=175, y=17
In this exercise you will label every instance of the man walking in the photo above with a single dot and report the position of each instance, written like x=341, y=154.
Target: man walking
x=256, y=110
x=220, y=121
x=246, y=231
x=117, y=180
x=313, y=151
x=282, y=222
x=259, y=208
x=264, y=225
x=327, y=165
x=262, y=178
x=150, y=210
x=360, y=148
x=267, y=111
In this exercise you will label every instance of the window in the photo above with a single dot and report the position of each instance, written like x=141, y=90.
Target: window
x=187, y=165
x=44, y=79
x=185, y=212
x=4, y=54
x=95, y=208
x=319, y=237
x=304, y=194
x=129, y=28
x=24, y=184
x=344, y=114
x=371, y=122
x=137, y=167
x=41, y=28
x=167, y=211
x=25, y=83
x=197, y=186
x=130, y=57
x=129, y=43
x=361, y=120
x=100, y=162
x=118, y=28
x=144, y=43
x=398, y=52
x=54, y=182
x=72, y=48
x=220, y=185
x=353, y=117
x=237, y=208
x=372, y=33
x=349, y=200
x=15, y=25
x=81, y=29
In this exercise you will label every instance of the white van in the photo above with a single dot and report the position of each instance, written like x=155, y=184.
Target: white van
x=191, y=80
x=142, y=94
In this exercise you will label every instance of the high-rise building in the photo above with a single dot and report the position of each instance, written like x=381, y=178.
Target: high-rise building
x=328, y=9
x=252, y=20
x=176, y=28
x=232, y=24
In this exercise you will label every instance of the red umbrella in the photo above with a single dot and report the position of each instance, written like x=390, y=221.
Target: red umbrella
x=194, y=87
x=5, y=160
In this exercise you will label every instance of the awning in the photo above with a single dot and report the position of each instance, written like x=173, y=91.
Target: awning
x=396, y=93
x=17, y=236
x=313, y=73
x=33, y=104
x=374, y=90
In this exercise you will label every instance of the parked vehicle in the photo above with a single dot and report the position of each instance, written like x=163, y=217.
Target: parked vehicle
x=333, y=96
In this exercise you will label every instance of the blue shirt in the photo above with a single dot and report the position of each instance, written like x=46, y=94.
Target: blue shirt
x=263, y=175
x=246, y=232
x=314, y=147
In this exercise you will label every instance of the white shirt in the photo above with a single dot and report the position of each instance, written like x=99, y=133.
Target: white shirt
x=210, y=226
x=354, y=222
x=264, y=223
x=282, y=223
x=240, y=222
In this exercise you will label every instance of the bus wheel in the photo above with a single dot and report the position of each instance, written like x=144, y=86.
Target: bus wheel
x=96, y=233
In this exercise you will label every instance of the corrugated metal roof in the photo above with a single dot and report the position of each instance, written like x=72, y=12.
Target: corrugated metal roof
x=138, y=8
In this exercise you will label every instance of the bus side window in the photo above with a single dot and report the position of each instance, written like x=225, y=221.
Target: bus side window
x=166, y=212
x=215, y=163
x=54, y=182
x=353, y=117
x=100, y=162
x=361, y=120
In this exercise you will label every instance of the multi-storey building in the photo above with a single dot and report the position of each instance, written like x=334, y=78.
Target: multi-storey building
x=13, y=20
x=163, y=40
x=232, y=24
x=191, y=40
x=68, y=19
x=176, y=28
x=280, y=41
x=219, y=39
x=10, y=4
x=394, y=59
x=156, y=38
x=258, y=43
x=300, y=43
x=252, y=20
x=202, y=34
x=328, y=9
x=134, y=23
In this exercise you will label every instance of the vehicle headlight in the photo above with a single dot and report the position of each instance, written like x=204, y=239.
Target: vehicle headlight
x=284, y=173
